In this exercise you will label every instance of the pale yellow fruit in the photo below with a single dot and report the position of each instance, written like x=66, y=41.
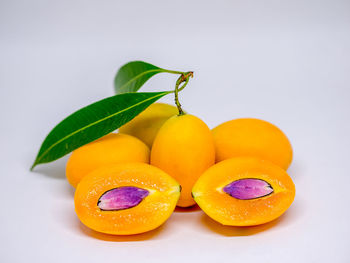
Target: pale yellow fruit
x=146, y=125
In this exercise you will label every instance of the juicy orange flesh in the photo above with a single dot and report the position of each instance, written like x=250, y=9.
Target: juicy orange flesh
x=151, y=212
x=208, y=192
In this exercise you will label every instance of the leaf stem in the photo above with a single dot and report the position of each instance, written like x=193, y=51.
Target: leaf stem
x=173, y=71
x=185, y=77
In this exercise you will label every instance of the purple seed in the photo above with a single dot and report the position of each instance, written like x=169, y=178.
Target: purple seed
x=245, y=189
x=121, y=198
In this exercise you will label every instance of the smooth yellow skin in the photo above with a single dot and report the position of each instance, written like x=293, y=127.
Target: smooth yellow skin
x=146, y=125
x=184, y=149
x=253, y=138
x=113, y=148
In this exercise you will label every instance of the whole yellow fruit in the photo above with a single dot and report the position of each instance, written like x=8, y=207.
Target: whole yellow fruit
x=113, y=148
x=252, y=138
x=146, y=125
x=184, y=148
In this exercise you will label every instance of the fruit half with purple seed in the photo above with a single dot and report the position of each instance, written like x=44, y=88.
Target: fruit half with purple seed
x=125, y=199
x=244, y=191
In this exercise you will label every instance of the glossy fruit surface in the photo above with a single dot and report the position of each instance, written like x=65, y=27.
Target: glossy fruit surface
x=184, y=149
x=111, y=149
x=125, y=199
x=244, y=191
x=254, y=138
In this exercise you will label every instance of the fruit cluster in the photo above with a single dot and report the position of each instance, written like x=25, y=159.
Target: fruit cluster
x=130, y=182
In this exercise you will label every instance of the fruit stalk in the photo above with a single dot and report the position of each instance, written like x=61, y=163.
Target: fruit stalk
x=185, y=77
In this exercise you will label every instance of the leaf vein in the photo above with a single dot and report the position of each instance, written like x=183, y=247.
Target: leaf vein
x=93, y=123
x=139, y=76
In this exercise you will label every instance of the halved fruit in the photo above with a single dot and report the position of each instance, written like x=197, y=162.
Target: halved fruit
x=244, y=191
x=125, y=199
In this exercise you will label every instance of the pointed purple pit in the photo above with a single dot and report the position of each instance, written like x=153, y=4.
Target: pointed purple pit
x=250, y=188
x=121, y=198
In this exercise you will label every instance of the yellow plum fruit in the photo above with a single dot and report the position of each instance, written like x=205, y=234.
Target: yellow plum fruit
x=184, y=148
x=113, y=148
x=146, y=125
x=252, y=138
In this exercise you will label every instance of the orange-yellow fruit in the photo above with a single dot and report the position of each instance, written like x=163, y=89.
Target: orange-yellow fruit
x=146, y=125
x=184, y=149
x=110, y=149
x=126, y=199
x=252, y=137
x=244, y=191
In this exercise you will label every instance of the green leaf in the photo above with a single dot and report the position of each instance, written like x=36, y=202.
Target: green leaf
x=93, y=122
x=133, y=75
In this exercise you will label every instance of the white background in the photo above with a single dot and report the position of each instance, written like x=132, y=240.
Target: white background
x=287, y=62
